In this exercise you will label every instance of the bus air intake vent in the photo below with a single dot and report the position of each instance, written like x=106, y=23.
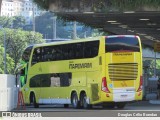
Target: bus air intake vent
x=123, y=71
x=94, y=89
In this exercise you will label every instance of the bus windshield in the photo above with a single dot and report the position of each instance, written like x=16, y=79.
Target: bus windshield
x=27, y=53
x=122, y=44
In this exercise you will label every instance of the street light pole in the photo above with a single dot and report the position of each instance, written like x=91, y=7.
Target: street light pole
x=5, y=65
x=54, y=27
x=33, y=17
x=74, y=30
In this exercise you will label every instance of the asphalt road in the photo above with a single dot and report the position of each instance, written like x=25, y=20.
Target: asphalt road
x=139, y=108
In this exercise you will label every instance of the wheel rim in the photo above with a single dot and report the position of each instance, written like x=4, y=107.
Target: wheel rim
x=75, y=100
x=85, y=104
x=33, y=99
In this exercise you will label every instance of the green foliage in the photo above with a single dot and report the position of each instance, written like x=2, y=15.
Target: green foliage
x=149, y=66
x=6, y=21
x=96, y=33
x=17, y=40
x=10, y=62
x=134, y=4
x=42, y=3
x=100, y=5
x=12, y=22
x=18, y=22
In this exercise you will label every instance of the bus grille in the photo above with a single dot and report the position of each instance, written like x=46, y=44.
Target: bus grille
x=123, y=71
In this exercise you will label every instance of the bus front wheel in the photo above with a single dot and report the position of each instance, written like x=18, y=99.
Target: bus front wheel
x=33, y=101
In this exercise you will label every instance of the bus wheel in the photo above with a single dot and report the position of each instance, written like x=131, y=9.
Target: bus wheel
x=120, y=105
x=74, y=100
x=36, y=105
x=85, y=105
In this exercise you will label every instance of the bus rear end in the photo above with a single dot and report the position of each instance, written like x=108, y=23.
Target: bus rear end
x=122, y=81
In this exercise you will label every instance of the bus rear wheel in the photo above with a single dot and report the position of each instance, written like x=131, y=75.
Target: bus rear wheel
x=84, y=102
x=74, y=100
x=33, y=101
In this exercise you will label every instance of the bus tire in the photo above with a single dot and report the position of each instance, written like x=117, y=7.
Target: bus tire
x=36, y=105
x=84, y=103
x=74, y=100
x=120, y=105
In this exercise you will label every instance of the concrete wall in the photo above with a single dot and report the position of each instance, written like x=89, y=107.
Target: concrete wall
x=8, y=92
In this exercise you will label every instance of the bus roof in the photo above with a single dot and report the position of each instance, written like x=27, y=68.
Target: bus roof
x=56, y=40
x=67, y=41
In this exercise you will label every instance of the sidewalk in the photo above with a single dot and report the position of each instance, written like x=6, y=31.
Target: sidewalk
x=154, y=102
x=140, y=103
x=152, y=98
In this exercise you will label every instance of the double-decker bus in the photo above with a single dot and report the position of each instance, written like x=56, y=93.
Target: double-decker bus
x=105, y=70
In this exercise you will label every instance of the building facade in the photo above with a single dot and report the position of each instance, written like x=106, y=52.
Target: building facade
x=25, y=8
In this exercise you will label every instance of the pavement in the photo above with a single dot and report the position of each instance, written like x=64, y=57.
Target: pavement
x=152, y=98
x=154, y=102
x=140, y=103
x=145, y=103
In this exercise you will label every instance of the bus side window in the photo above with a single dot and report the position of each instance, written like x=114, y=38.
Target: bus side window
x=91, y=49
x=46, y=54
x=64, y=52
x=71, y=51
x=55, y=80
x=37, y=57
x=79, y=50
x=45, y=80
x=87, y=50
x=95, y=48
x=64, y=79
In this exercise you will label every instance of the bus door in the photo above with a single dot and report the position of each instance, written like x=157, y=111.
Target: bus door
x=23, y=80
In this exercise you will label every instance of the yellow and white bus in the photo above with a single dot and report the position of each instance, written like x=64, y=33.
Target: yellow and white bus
x=105, y=70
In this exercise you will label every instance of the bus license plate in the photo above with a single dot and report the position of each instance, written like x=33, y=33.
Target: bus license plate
x=124, y=96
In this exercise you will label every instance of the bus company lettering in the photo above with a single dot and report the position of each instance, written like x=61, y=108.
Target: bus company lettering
x=122, y=54
x=80, y=65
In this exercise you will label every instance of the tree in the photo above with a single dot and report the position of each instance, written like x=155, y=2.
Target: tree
x=6, y=21
x=10, y=62
x=12, y=22
x=42, y=3
x=17, y=40
x=18, y=22
x=100, y=5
